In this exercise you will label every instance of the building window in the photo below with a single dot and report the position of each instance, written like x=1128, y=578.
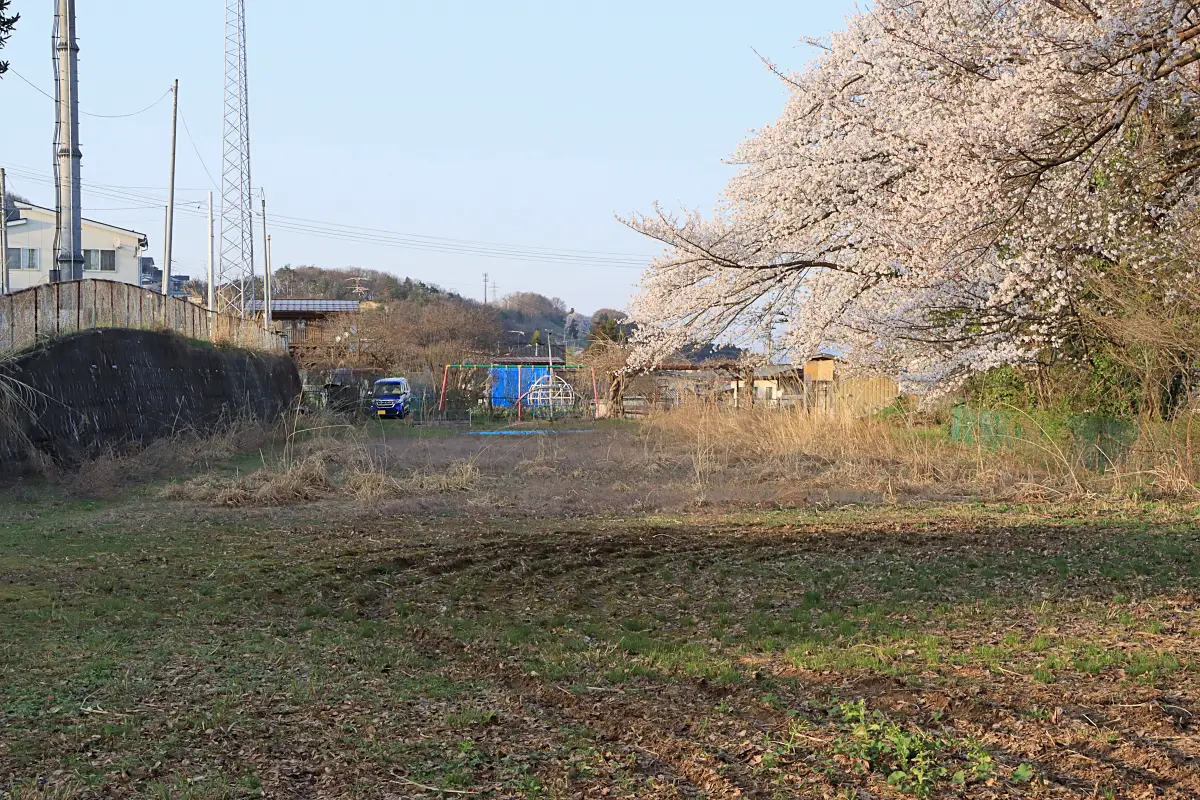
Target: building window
x=100, y=260
x=24, y=258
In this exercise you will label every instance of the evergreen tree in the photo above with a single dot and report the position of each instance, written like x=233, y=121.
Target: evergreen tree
x=7, y=24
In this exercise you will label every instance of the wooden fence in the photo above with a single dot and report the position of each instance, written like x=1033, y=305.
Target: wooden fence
x=857, y=396
x=45, y=312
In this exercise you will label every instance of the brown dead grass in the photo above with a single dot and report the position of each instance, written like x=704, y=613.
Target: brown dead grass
x=878, y=457
x=107, y=475
x=324, y=468
x=901, y=459
x=682, y=461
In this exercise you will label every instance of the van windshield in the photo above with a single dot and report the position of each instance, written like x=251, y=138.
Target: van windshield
x=390, y=389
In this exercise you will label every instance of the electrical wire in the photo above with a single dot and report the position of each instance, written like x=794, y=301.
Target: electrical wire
x=102, y=190
x=198, y=209
x=525, y=256
x=632, y=258
x=44, y=93
x=376, y=236
x=196, y=149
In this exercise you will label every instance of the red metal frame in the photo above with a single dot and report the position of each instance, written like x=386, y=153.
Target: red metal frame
x=595, y=397
x=445, y=380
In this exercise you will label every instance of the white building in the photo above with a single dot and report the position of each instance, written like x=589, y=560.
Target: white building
x=109, y=253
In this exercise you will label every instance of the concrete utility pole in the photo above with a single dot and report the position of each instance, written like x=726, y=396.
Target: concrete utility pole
x=167, y=245
x=550, y=373
x=68, y=236
x=269, y=288
x=3, y=234
x=266, y=267
x=212, y=269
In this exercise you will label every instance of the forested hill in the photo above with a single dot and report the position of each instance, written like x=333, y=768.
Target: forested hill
x=523, y=319
x=352, y=284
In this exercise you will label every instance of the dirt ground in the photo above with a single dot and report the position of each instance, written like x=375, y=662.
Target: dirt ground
x=588, y=617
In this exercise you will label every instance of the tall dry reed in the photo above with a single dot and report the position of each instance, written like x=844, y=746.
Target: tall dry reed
x=901, y=457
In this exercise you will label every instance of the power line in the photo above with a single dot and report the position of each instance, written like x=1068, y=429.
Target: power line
x=122, y=187
x=454, y=248
x=46, y=94
x=188, y=130
x=99, y=190
x=121, y=208
x=379, y=237
x=605, y=255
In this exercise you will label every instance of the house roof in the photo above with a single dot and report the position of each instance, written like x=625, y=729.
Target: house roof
x=31, y=207
x=316, y=306
x=775, y=370
x=530, y=361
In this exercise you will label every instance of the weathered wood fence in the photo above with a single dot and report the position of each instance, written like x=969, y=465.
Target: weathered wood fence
x=42, y=313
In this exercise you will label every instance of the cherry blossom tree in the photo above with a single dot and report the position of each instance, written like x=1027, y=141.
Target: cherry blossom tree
x=947, y=182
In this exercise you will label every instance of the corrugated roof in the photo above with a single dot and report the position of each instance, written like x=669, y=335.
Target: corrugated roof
x=772, y=370
x=327, y=306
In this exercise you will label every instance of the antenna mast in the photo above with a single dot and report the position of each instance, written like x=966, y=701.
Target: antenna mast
x=235, y=275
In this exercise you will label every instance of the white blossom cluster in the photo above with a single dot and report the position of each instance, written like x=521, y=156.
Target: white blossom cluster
x=940, y=181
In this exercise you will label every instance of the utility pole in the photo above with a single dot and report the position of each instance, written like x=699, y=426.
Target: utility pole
x=68, y=259
x=550, y=373
x=485, y=288
x=266, y=266
x=167, y=245
x=3, y=234
x=212, y=269
x=268, y=287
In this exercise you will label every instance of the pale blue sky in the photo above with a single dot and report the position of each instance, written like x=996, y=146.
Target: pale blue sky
x=526, y=123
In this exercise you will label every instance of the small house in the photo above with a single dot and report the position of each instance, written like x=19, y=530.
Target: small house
x=109, y=252
x=294, y=317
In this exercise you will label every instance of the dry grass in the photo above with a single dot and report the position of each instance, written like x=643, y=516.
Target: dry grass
x=897, y=458
x=681, y=461
x=16, y=407
x=325, y=467
x=112, y=472
x=873, y=456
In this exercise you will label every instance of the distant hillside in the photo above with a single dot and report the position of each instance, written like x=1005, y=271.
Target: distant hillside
x=344, y=284
x=526, y=315
x=522, y=319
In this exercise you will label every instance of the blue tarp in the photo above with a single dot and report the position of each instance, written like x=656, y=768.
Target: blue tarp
x=523, y=433
x=510, y=384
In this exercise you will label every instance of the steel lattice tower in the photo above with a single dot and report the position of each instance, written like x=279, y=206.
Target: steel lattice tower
x=235, y=273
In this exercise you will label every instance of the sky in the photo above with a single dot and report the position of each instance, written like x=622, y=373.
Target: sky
x=532, y=125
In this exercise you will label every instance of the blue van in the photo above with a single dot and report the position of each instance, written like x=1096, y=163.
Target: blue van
x=391, y=397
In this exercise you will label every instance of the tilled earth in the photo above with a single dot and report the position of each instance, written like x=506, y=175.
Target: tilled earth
x=173, y=650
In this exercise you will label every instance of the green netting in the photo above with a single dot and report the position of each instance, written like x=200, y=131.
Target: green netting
x=980, y=426
x=1097, y=441
x=1100, y=441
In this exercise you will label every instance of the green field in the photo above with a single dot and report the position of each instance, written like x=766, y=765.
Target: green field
x=159, y=648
